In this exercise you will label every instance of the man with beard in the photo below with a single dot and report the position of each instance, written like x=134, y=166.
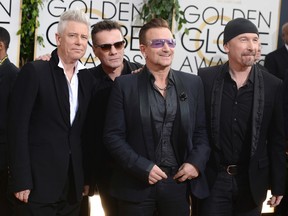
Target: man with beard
x=245, y=127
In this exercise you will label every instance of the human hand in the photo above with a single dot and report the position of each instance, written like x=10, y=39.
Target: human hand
x=186, y=172
x=156, y=174
x=137, y=70
x=85, y=190
x=274, y=201
x=23, y=196
x=45, y=57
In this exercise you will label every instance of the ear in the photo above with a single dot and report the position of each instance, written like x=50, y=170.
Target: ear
x=226, y=47
x=2, y=47
x=143, y=50
x=58, y=39
x=94, y=50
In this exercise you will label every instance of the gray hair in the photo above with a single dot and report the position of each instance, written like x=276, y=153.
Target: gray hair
x=72, y=15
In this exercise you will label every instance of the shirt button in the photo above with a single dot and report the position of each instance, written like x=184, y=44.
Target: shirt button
x=235, y=102
x=235, y=119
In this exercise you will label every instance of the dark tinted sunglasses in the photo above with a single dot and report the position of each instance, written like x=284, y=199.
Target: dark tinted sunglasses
x=158, y=43
x=107, y=47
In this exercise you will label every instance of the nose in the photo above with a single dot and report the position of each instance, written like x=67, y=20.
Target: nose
x=165, y=46
x=78, y=40
x=253, y=45
x=113, y=50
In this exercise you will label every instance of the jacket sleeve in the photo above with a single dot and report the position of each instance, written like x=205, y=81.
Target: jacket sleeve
x=22, y=101
x=200, y=152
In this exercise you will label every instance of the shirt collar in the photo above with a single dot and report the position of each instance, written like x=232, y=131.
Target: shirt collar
x=78, y=66
x=250, y=76
x=170, y=77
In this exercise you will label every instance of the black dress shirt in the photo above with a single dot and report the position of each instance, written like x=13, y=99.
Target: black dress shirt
x=235, y=121
x=163, y=110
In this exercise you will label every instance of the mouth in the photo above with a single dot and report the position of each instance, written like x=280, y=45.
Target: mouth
x=114, y=59
x=249, y=54
x=77, y=50
x=165, y=55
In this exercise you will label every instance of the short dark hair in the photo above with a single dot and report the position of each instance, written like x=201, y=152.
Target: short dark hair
x=154, y=23
x=4, y=37
x=104, y=25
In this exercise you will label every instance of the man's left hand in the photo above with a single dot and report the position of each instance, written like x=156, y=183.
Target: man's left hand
x=274, y=201
x=186, y=172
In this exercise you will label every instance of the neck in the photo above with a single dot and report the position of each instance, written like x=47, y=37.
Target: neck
x=2, y=55
x=161, y=80
x=113, y=72
x=240, y=77
x=69, y=68
x=159, y=73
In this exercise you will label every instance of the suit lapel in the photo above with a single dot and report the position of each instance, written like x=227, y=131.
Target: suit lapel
x=258, y=108
x=145, y=113
x=81, y=92
x=61, y=88
x=181, y=123
x=216, y=99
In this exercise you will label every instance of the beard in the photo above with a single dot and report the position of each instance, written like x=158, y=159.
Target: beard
x=248, y=58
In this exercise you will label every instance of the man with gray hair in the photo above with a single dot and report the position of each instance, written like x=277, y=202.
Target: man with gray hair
x=47, y=111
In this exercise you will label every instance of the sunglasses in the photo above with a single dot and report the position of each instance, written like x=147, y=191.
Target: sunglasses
x=107, y=47
x=159, y=43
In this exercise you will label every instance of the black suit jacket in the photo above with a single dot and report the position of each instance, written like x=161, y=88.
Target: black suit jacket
x=129, y=138
x=41, y=139
x=8, y=73
x=277, y=62
x=267, y=156
x=98, y=161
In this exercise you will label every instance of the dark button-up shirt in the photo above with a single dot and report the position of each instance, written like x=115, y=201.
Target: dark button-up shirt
x=235, y=121
x=163, y=110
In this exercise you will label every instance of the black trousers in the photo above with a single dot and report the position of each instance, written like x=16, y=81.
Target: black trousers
x=230, y=196
x=5, y=205
x=85, y=207
x=67, y=205
x=167, y=198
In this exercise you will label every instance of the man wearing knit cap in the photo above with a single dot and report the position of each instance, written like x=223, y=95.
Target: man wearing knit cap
x=245, y=125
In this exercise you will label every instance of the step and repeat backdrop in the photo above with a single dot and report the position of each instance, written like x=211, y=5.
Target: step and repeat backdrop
x=202, y=47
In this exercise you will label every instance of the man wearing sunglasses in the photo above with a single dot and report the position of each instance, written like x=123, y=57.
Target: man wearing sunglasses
x=155, y=131
x=108, y=46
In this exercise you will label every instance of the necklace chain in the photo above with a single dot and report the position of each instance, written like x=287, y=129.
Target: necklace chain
x=2, y=60
x=161, y=89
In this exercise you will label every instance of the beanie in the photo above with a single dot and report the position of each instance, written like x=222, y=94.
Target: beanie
x=238, y=26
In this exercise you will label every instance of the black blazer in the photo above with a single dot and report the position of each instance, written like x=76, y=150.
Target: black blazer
x=267, y=165
x=129, y=139
x=42, y=142
x=277, y=62
x=98, y=161
x=8, y=73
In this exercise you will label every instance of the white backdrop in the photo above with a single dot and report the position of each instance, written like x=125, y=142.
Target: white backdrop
x=206, y=20
x=10, y=19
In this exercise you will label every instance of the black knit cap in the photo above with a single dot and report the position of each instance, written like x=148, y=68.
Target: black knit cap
x=238, y=26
